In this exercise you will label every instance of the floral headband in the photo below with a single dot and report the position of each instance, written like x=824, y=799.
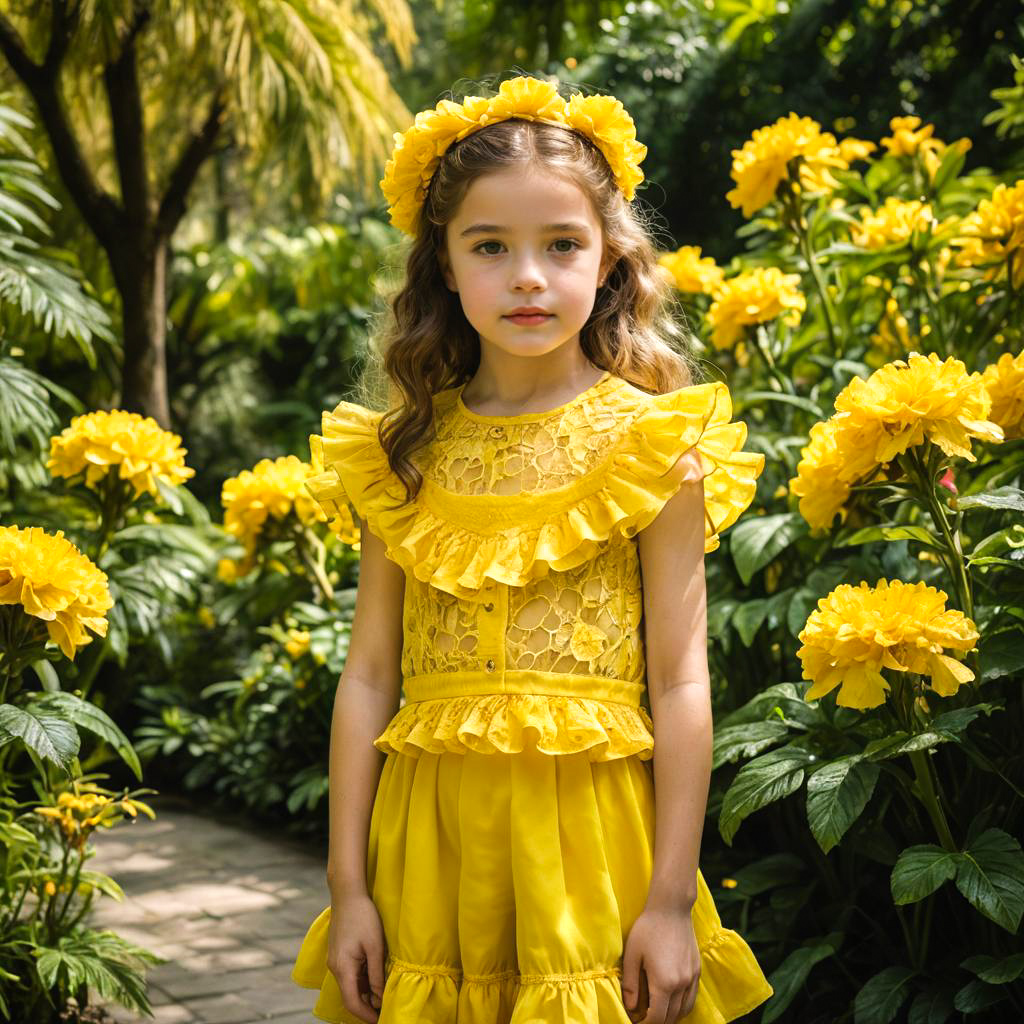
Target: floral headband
x=419, y=149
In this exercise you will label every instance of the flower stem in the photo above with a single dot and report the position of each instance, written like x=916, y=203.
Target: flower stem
x=304, y=543
x=925, y=471
x=923, y=769
x=793, y=214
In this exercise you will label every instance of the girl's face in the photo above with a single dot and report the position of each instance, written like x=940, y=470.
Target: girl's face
x=521, y=238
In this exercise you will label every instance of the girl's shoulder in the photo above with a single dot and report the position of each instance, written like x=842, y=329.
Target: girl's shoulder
x=510, y=497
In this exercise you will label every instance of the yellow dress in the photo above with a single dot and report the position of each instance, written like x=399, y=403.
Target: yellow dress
x=511, y=837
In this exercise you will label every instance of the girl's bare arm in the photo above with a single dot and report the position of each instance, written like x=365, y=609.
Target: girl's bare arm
x=675, y=614
x=367, y=697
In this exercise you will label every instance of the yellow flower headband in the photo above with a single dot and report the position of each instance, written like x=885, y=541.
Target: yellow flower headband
x=419, y=149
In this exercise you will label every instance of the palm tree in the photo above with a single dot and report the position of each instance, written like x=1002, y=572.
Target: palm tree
x=166, y=85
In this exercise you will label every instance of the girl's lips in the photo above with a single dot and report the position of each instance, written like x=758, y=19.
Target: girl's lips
x=529, y=318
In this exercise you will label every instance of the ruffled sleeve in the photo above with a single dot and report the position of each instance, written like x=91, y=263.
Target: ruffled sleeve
x=456, y=542
x=349, y=465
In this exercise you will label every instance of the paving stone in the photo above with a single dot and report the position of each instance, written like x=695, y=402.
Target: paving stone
x=224, y=1009
x=225, y=904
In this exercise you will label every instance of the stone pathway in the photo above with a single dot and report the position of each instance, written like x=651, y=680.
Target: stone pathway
x=226, y=903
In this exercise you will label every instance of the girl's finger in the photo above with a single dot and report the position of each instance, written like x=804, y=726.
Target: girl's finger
x=675, y=1006
x=690, y=999
x=630, y=978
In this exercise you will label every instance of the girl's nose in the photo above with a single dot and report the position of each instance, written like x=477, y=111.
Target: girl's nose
x=528, y=275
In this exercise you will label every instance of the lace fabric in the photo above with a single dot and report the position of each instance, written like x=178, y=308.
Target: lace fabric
x=522, y=569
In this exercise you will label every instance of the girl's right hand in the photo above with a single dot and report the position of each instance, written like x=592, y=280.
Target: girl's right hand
x=356, y=952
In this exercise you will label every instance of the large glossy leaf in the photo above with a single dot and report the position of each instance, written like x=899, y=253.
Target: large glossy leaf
x=88, y=716
x=990, y=875
x=760, y=782
x=920, y=871
x=757, y=540
x=837, y=795
x=790, y=977
x=51, y=737
x=745, y=741
x=880, y=999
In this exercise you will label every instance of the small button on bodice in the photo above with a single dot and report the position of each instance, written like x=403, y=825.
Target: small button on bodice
x=489, y=607
x=490, y=665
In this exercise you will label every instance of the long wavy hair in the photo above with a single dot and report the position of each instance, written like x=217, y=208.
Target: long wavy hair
x=423, y=343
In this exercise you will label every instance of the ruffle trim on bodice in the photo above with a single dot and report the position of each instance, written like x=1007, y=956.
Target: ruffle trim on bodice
x=510, y=722
x=730, y=985
x=457, y=541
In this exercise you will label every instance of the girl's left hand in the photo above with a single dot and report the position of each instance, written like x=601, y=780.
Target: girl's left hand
x=662, y=944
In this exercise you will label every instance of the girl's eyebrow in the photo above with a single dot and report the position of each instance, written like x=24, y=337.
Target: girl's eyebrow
x=497, y=229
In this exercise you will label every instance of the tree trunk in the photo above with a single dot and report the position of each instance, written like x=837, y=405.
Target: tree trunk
x=142, y=282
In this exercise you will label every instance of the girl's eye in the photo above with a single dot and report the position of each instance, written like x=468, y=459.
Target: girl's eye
x=573, y=245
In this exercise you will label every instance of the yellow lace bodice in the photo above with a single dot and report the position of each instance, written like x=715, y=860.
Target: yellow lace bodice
x=523, y=603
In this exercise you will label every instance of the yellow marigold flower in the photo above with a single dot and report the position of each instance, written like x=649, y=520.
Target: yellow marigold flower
x=227, y=570
x=906, y=402
x=762, y=164
x=52, y=580
x=754, y=297
x=993, y=235
x=852, y=149
x=909, y=136
x=729, y=883
x=272, y=488
x=894, y=222
x=856, y=632
x=1004, y=381
x=138, y=447
x=893, y=339
x=297, y=643
x=900, y=405
x=206, y=616
x=690, y=271
x=819, y=481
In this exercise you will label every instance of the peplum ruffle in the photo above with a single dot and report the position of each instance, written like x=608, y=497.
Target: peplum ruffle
x=456, y=542
x=510, y=722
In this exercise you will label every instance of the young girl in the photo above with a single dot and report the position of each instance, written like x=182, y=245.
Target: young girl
x=535, y=506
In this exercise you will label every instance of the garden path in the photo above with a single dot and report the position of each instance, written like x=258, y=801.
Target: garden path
x=226, y=903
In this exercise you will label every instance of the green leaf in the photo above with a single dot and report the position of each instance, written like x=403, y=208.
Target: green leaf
x=749, y=616
x=757, y=540
x=837, y=795
x=995, y=970
x=1000, y=498
x=790, y=977
x=169, y=494
x=760, y=782
x=745, y=741
x=950, y=165
x=50, y=737
x=880, y=999
x=904, y=743
x=1001, y=654
x=88, y=716
x=976, y=996
x=750, y=397
x=919, y=871
x=920, y=534
x=991, y=877
x=933, y=1006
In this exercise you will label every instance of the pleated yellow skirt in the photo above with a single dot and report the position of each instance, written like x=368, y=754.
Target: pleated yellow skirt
x=507, y=884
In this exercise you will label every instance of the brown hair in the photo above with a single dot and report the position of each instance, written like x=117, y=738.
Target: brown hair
x=424, y=344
